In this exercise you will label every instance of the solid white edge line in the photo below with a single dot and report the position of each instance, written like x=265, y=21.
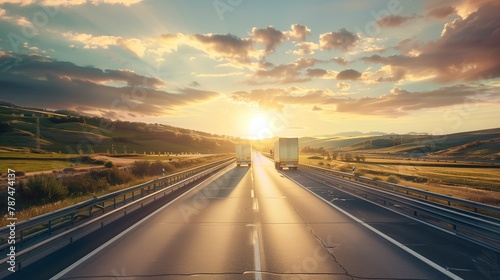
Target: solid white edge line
x=100, y=248
x=386, y=237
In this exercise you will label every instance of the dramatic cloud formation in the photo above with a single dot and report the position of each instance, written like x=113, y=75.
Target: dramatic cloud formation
x=95, y=57
x=40, y=67
x=41, y=81
x=342, y=40
x=397, y=102
x=465, y=50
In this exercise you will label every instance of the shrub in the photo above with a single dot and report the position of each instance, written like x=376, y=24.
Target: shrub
x=84, y=184
x=20, y=173
x=43, y=188
x=140, y=168
x=109, y=164
x=113, y=176
x=156, y=168
x=376, y=179
x=359, y=172
x=393, y=179
x=315, y=157
x=321, y=163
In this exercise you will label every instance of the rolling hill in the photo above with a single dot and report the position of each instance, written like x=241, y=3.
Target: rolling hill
x=60, y=132
x=473, y=145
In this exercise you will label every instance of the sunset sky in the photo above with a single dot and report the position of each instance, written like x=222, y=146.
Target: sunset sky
x=258, y=68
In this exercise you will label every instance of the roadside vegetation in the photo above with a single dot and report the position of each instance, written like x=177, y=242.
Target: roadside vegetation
x=475, y=182
x=45, y=193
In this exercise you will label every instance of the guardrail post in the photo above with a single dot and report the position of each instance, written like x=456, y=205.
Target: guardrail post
x=50, y=227
x=124, y=199
x=90, y=211
x=133, y=196
x=114, y=203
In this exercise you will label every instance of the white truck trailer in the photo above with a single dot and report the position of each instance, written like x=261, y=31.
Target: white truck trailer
x=243, y=154
x=286, y=153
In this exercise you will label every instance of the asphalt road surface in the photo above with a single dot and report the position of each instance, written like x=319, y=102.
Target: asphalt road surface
x=255, y=223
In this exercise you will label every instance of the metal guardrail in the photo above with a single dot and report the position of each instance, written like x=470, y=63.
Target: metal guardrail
x=475, y=227
x=62, y=224
x=477, y=207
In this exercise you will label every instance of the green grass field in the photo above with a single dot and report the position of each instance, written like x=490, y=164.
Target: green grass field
x=32, y=162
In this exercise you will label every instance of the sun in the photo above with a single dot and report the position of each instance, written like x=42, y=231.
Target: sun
x=258, y=126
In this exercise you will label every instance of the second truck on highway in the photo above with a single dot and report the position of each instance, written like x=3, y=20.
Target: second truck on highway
x=243, y=154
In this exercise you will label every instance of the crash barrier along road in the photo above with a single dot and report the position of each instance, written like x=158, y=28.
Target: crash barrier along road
x=42, y=235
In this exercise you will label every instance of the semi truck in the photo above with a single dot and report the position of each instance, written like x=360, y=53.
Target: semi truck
x=243, y=154
x=286, y=153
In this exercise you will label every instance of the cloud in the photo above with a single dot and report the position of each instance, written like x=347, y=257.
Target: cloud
x=299, y=32
x=386, y=73
x=397, y=102
x=227, y=47
x=400, y=102
x=44, y=82
x=283, y=73
x=269, y=36
x=278, y=98
x=134, y=45
x=395, y=20
x=218, y=75
x=349, y=74
x=305, y=48
x=342, y=40
x=70, y=2
x=343, y=86
x=316, y=72
x=465, y=51
x=442, y=12
x=194, y=84
x=38, y=67
x=340, y=60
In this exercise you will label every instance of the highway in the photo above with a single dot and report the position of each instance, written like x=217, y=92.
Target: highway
x=256, y=223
